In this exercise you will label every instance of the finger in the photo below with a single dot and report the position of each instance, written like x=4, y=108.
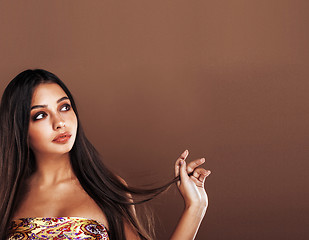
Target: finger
x=183, y=156
x=196, y=181
x=177, y=167
x=194, y=164
x=204, y=175
x=199, y=178
x=183, y=171
x=198, y=171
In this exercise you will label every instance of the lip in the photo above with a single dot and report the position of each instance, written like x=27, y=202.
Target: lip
x=62, y=138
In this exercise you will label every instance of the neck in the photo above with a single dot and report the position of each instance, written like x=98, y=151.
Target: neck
x=52, y=170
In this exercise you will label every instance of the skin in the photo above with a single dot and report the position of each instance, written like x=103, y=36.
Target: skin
x=53, y=187
x=194, y=194
x=49, y=118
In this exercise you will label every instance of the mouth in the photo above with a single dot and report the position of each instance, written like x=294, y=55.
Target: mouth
x=62, y=138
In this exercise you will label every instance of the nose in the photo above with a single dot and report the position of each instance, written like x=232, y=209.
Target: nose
x=58, y=122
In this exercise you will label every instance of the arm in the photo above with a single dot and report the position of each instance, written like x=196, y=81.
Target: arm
x=194, y=195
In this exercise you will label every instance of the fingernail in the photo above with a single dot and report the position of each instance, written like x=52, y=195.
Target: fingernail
x=202, y=160
x=185, y=152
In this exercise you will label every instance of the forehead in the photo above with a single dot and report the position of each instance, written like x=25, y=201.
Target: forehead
x=47, y=93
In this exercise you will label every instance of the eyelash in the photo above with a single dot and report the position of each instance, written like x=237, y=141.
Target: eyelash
x=35, y=117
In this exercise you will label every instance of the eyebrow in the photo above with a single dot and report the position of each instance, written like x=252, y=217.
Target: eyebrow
x=44, y=106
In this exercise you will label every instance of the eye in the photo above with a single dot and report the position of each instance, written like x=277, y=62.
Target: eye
x=65, y=107
x=39, y=116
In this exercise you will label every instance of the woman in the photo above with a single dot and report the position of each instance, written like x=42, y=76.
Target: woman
x=52, y=177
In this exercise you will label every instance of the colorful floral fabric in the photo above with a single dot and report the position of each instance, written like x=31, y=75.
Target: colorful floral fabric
x=57, y=228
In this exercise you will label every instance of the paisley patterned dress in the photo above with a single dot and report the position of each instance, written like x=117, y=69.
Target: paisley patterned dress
x=57, y=228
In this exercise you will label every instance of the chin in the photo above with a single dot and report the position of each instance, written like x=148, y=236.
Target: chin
x=60, y=150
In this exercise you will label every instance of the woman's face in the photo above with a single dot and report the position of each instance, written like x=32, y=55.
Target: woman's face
x=53, y=123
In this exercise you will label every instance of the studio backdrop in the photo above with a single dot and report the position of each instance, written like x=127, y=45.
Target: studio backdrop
x=227, y=80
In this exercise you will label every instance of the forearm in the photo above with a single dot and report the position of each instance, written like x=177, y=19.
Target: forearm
x=189, y=223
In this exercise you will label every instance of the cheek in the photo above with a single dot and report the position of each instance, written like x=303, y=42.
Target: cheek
x=72, y=121
x=37, y=136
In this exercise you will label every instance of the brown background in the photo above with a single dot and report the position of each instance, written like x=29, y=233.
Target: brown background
x=227, y=80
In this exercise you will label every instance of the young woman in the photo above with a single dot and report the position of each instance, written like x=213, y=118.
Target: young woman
x=53, y=181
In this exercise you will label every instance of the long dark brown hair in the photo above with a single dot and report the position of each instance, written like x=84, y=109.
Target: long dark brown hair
x=17, y=162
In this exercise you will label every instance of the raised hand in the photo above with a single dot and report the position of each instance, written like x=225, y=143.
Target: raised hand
x=192, y=180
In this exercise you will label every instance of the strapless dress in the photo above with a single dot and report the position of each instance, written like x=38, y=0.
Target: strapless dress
x=57, y=228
